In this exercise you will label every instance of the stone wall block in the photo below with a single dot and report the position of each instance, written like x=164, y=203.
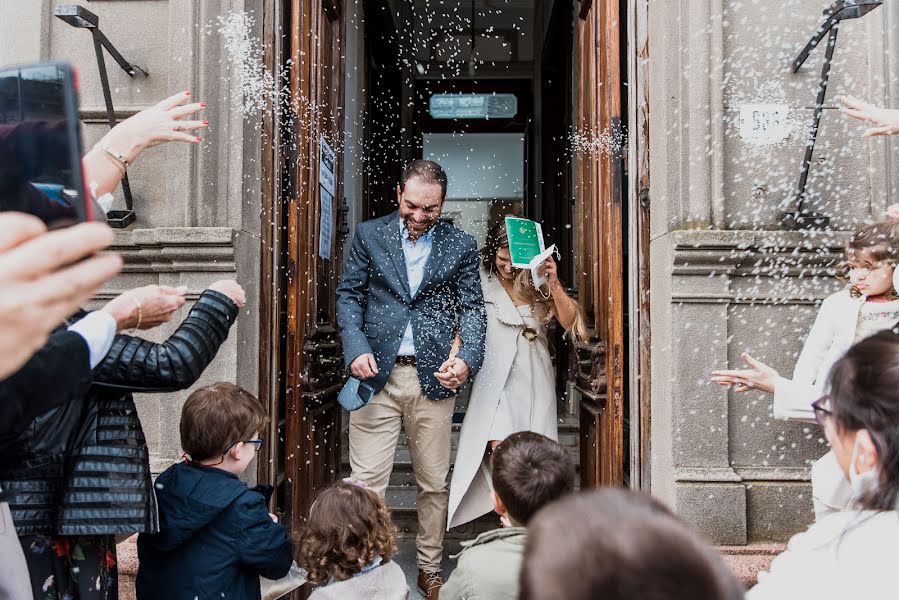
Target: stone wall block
x=775, y=511
x=715, y=510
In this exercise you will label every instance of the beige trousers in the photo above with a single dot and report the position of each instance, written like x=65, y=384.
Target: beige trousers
x=374, y=432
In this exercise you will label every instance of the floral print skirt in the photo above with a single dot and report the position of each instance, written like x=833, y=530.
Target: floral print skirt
x=72, y=568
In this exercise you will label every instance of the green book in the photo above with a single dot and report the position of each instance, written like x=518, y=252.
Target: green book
x=525, y=241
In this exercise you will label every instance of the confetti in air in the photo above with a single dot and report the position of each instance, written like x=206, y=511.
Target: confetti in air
x=258, y=86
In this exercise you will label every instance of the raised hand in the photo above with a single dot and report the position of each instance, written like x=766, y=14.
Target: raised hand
x=885, y=120
x=163, y=122
x=758, y=377
x=232, y=289
x=146, y=307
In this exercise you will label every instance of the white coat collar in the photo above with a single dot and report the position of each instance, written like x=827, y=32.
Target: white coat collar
x=497, y=297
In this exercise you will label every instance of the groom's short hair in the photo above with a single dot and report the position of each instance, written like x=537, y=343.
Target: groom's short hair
x=426, y=171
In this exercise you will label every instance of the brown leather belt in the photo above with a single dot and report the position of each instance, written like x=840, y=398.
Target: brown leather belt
x=406, y=361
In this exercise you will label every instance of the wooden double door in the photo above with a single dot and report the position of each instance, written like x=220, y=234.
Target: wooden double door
x=301, y=362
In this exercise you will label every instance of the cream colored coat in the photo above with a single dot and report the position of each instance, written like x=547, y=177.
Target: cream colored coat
x=470, y=489
x=830, y=337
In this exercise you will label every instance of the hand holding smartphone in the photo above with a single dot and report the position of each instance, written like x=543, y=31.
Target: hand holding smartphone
x=40, y=144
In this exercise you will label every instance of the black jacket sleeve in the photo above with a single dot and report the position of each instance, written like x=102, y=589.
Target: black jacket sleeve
x=177, y=363
x=58, y=373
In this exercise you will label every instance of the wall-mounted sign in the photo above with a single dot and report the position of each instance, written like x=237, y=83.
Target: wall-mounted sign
x=473, y=106
x=327, y=163
x=765, y=123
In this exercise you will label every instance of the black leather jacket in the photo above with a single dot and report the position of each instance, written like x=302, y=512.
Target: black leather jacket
x=87, y=472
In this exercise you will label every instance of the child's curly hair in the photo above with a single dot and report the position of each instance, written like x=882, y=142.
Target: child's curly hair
x=876, y=243
x=348, y=527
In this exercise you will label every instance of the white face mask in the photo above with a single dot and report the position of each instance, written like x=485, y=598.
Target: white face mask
x=861, y=483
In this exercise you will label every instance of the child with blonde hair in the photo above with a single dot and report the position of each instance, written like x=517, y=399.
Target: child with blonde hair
x=869, y=305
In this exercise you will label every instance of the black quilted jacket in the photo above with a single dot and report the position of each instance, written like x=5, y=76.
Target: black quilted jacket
x=92, y=475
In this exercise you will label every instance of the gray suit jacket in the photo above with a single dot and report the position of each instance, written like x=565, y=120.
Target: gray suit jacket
x=374, y=304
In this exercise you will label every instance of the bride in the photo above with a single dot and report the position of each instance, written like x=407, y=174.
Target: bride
x=515, y=389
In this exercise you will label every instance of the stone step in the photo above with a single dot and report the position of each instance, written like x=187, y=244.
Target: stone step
x=568, y=437
x=747, y=561
x=401, y=501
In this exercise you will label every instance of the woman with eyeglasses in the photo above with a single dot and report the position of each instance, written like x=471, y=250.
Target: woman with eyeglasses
x=870, y=304
x=852, y=554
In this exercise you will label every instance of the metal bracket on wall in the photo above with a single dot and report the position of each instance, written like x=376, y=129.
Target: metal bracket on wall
x=80, y=17
x=802, y=217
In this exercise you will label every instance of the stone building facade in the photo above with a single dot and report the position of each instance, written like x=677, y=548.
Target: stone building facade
x=726, y=277
x=197, y=206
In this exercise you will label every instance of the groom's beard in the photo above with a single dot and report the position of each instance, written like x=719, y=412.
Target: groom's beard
x=415, y=233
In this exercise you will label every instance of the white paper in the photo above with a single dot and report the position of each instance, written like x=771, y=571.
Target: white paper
x=326, y=224
x=538, y=260
x=326, y=165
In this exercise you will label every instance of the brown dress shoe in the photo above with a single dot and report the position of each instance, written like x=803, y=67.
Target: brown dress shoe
x=429, y=584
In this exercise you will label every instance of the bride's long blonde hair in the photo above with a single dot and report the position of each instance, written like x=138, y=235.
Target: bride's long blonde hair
x=540, y=300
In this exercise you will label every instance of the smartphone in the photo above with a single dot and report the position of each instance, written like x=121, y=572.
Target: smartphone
x=40, y=144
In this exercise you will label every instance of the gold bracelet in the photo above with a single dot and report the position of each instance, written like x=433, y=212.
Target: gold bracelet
x=140, y=314
x=115, y=154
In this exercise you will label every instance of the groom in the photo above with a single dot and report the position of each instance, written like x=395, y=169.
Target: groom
x=410, y=287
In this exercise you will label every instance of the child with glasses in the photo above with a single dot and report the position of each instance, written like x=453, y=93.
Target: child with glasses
x=869, y=304
x=216, y=535
x=348, y=545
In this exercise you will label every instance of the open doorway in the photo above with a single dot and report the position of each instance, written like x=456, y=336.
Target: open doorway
x=519, y=102
x=516, y=100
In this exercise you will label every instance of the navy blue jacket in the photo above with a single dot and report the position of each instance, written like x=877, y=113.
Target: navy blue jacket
x=215, y=540
x=374, y=304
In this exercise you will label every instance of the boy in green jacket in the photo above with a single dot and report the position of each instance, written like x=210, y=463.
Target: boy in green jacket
x=529, y=472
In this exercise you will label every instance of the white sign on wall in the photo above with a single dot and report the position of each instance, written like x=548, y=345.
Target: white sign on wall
x=327, y=163
x=765, y=123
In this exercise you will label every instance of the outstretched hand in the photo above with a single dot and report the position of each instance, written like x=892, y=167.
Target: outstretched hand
x=885, y=120
x=758, y=377
x=232, y=289
x=146, y=307
x=163, y=122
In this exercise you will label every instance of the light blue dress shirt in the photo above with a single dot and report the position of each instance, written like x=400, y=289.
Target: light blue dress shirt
x=417, y=255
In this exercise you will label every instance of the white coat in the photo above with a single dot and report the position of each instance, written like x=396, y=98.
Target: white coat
x=470, y=488
x=830, y=337
x=851, y=554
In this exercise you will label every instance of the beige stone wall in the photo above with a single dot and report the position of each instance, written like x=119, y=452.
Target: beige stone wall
x=725, y=276
x=197, y=206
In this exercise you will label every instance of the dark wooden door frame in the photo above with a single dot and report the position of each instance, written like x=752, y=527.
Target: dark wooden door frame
x=300, y=370
x=270, y=463
x=600, y=376
x=639, y=230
